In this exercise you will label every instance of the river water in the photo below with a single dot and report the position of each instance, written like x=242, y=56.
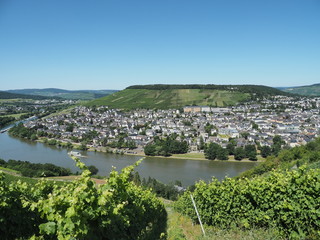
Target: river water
x=164, y=169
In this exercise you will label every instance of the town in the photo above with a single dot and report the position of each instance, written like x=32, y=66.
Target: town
x=295, y=121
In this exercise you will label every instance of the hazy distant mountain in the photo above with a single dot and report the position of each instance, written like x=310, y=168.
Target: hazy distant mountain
x=9, y=95
x=177, y=96
x=311, y=90
x=66, y=94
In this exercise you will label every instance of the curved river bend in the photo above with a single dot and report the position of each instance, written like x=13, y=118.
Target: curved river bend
x=164, y=169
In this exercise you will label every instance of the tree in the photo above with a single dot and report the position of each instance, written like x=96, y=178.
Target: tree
x=131, y=144
x=251, y=152
x=231, y=147
x=70, y=127
x=278, y=140
x=202, y=144
x=93, y=169
x=210, y=152
x=208, y=128
x=150, y=149
x=252, y=156
x=255, y=126
x=239, y=153
x=83, y=147
x=222, y=153
x=245, y=135
x=69, y=145
x=265, y=151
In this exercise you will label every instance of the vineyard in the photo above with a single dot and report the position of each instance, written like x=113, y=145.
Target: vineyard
x=288, y=201
x=117, y=209
x=280, y=198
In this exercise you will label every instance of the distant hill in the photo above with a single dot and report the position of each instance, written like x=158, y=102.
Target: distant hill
x=65, y=94
x=8, y=95
x=311, y=90
x=177, y=96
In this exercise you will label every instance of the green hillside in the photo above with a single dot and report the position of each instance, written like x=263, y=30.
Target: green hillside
x=176, y=96
x=312, y=90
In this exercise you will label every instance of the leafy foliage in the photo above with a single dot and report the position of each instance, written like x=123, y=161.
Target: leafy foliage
x=28, y=169
x=287, y=200
x=23, y=132
x=283, y=193
x=288, y=159
x=117, y=209
x=4, y=121
x=166, y=147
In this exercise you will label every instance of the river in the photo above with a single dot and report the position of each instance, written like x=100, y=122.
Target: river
x=164, y=169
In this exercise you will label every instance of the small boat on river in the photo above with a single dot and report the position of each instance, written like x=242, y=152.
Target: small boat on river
x=75, y=154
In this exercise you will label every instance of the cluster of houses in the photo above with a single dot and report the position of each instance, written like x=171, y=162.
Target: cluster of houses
x=29, y=105
x=296, y=121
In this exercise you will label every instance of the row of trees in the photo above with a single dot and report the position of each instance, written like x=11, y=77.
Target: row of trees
x=28, y=169
x=215, y=151
x=166, y=147
x=169, y=191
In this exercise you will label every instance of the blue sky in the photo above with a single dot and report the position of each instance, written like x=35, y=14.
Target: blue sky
x=112, y=44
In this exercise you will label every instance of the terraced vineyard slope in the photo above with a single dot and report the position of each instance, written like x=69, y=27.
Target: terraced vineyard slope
x=176, y=96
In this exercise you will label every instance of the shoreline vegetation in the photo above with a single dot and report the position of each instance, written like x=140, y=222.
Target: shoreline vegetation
x=186, y=156
x=198, y=156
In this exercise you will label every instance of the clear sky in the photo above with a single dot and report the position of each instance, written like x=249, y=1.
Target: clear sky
x=112, y=44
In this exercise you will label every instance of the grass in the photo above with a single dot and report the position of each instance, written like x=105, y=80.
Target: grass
x=171, y=98
x=199, y=156
x=9, y=170
x=13, y=178
x=17, y=116
x=181, y=228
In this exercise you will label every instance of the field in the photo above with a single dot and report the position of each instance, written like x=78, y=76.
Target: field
x=170, y=98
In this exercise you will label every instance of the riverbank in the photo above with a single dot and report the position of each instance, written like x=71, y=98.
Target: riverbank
x=186, y=156
x=198, y=156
